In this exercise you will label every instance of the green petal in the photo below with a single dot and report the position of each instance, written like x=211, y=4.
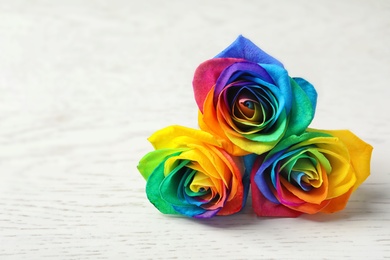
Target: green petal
x=153, y=159
x=302, y=111
x=170, y=185
x=153, y=191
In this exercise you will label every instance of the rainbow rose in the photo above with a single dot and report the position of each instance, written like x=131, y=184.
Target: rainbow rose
x=247, y=99
x=190, y=174
x=314, y=172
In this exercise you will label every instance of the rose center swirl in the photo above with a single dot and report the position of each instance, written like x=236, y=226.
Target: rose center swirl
x=195, y=187
x=252, y=107
x=301, y=171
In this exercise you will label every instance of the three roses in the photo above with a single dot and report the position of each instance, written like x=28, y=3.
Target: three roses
x=253, y=120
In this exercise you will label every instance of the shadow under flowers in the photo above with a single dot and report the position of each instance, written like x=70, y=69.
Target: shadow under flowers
x=362, y=204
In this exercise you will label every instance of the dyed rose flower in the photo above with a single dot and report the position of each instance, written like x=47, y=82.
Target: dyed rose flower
x=247, y=99
x=314, y=172
x=190, y=174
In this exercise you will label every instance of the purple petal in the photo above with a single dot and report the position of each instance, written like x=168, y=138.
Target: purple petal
x=235, y=70
x=207, y=214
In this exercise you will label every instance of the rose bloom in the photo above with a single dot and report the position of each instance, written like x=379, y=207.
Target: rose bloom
x=314, y=172
x=190, y=174
x=248, y=101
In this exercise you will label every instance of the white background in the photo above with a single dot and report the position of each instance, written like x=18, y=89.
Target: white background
x=84, y=83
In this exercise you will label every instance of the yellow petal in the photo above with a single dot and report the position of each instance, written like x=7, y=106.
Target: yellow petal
x=176, y=136
x=360, y=154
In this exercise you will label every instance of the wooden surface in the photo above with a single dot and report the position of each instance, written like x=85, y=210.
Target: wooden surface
x=84, y=83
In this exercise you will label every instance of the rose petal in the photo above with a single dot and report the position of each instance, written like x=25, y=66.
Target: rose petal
x=153, y=191
x=245, y=49
x=338, y=203
x=206, y=76
x=235, y=70
x=150, y=161
x=263, y=207
x=360, y=153
x=175, y=136
x=303, y=108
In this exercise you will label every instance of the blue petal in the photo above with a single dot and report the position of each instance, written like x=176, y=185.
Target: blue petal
x=282, y=81
x=245, y=49
x=297, y=177
x=249, y=160
x=189, y=210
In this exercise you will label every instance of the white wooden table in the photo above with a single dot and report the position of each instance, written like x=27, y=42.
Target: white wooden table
x=84, y=83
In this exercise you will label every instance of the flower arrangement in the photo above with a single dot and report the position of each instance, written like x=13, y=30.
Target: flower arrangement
x=254, y=135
